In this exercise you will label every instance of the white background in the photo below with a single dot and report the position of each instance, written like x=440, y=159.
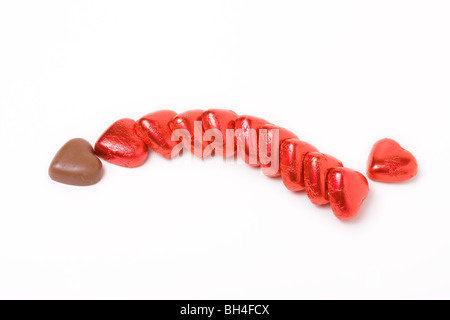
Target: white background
x=340, y=74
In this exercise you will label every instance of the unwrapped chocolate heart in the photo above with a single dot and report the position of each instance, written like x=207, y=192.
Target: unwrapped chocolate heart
x=76, y=164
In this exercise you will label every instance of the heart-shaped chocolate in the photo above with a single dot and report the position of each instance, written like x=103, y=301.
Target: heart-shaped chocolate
x=292, y=153
x=190, y=122
x=347, y=190
x=121, y=145
x=219, y=121
x=247, y=137
x=316, y=166
x=76, y=164
x=154, y=130
x=268, y=134
x=389, y=162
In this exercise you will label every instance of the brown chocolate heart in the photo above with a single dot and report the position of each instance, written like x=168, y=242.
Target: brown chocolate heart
x=76, y=164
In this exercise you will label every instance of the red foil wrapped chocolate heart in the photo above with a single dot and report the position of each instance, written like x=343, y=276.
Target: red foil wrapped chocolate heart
x=316, y=166
x=271, y=166
x=121, y=145
x=247, y=135
x=221, y=120
x=191, y=123
x=347, y=190
x=389, y=162
x=292, y=154
x=154, y=130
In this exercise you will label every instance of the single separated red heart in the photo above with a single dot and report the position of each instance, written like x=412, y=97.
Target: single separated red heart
x=389, y=162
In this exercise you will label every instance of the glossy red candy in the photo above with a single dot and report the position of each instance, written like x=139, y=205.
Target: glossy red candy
x=191, y=123
x=347, y=190
x=277, y=150
x=316, y=168
x=121, y=145
x=271, y=165
x=292, y=154
x=154, y=130
x=221, y=120
x=389, y=162
x=247, y=133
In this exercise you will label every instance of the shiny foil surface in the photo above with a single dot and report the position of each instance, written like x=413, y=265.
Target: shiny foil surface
x=316, y=167
x=121, y=145
x=292, y=154
x=283, y=134
x=221, y=120
x=389, y=162
x=248, y=141
x=154, y=130
x=126, y=143
x=191, y=122
x=347, y=190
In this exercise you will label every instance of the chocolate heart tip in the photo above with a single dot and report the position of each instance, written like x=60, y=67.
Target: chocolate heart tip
x=76, y=164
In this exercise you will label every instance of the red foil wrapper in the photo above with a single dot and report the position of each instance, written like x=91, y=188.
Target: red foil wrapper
x=292, y=154
x=347, y=190
x=271, y=165
x=154, y=130
x=247, y=135
x=121, y=145
x=191, y=123
x=316, y=166
x=389, y=162
x=220, y=121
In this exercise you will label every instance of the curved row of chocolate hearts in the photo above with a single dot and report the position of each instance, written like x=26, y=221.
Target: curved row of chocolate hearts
x=301, y=165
